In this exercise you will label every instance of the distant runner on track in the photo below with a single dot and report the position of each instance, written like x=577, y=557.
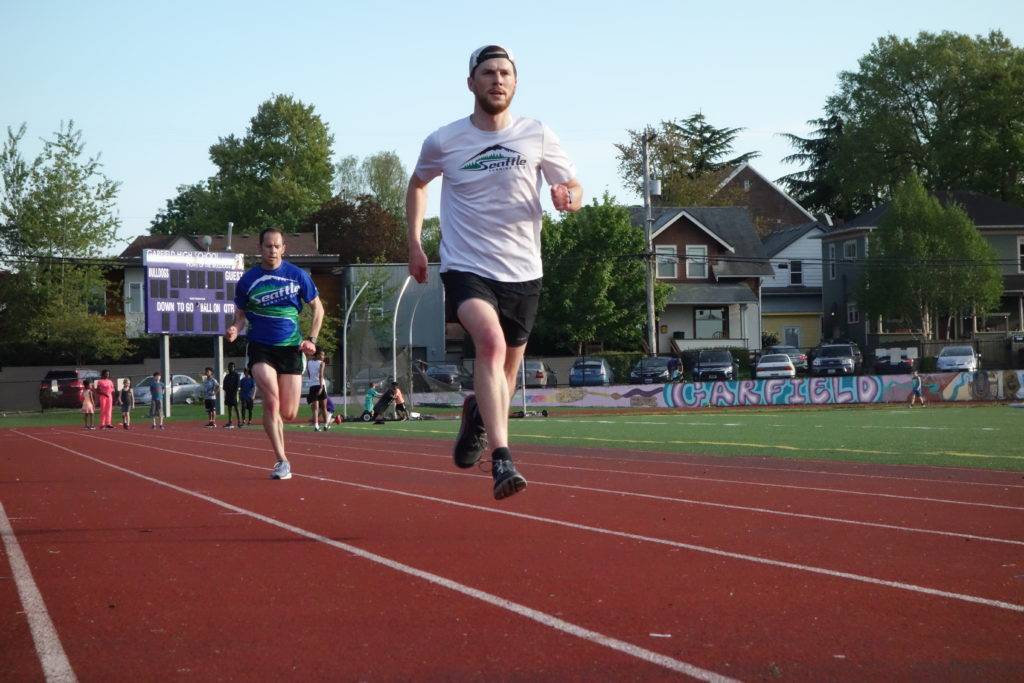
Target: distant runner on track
x=268, y=298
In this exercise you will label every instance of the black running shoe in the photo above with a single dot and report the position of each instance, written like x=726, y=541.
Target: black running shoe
x=472, y=439
x=507, y=481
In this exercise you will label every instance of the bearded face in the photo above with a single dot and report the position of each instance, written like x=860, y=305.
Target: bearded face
x=493, y=83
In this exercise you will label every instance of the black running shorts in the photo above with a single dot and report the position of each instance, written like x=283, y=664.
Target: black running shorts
x=316, y=393
x=287, y=360
x=211, y=405
x=515, y=302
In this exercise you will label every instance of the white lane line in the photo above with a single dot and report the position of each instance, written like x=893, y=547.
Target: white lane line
x=711, y=479
x=526, y=451
x=618, y=492
x=54, y=661
x=542, y=618
x=999, y=604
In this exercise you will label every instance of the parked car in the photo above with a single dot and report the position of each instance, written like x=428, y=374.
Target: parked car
x=858, y=357
x=714, y=364
x=775, y=365
x=183, y=389
x=958, y=359
x=887, y=365
x=588, y=372
x=538, y=375
x=798, y=357
x=447, y=374
x=63, y=388
x=656, y=369
x=834, y=359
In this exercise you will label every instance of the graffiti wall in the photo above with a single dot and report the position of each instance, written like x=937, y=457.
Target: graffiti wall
x=989, y=385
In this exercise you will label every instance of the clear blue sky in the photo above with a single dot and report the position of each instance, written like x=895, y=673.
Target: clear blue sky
x=153, y=85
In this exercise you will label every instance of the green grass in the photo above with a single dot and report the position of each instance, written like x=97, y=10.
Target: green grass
x=976, y=436
x=964, y=436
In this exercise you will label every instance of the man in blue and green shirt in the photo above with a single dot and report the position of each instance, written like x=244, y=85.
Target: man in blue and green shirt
x=268, y=298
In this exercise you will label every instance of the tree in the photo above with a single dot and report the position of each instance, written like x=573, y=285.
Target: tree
x=380, y=175
x=687, y=155
x=926, y=260
x=945, y=106
x=55, y=212
x=593, y=280
x=819, y=185
x=276, y=174
x=60, y=205
x=430, y=238
x=192, y=211
x=359, y=232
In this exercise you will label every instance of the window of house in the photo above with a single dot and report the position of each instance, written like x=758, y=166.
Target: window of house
x=667, y=261
x=697, y=261
x=831, y=262
x=796, y=272
x=97, y=301
x=849, y=250
x=746, y=185
x=852, y=314
x=711, y=323
x=135, y=297
x=1020, y=254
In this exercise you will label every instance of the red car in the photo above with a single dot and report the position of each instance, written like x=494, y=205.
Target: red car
x=63, y=388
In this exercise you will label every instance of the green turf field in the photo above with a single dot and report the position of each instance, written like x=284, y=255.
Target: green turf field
x=990, y=436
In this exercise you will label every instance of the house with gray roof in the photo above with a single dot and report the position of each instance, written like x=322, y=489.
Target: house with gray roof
x=715, y=262
x=843, y=249
x=791, y=296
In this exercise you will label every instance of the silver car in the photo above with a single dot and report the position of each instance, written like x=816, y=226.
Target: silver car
x=183, y=389
x=957, y=359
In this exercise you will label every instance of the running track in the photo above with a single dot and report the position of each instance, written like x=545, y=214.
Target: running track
x=170, y=555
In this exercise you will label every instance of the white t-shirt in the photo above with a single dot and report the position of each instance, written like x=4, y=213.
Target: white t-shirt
x=313, y=371
x=490, y=194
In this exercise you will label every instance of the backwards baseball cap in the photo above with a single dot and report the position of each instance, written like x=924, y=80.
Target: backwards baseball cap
x=482, y=54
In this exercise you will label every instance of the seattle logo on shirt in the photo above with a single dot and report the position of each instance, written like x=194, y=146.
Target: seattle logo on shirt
x=494, y=158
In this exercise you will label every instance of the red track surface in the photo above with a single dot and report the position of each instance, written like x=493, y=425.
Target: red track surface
x=748, y=568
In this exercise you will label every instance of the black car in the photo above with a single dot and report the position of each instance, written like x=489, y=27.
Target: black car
x=655, y=370
x=447, y=375
x=714, y=364
x=834, y=359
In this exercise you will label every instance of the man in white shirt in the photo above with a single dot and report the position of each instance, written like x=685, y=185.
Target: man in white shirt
x=493, y=164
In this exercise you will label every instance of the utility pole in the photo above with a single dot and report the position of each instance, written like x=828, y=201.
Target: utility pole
x=652, y=331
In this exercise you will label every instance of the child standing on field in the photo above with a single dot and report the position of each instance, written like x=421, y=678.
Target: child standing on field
x=915, y=390
x=126, y=397
x=210, y=388
x=88, y=404
x=156, y=400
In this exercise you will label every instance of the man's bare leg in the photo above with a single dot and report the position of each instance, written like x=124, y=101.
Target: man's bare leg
x=490, y=382
x=267, y=382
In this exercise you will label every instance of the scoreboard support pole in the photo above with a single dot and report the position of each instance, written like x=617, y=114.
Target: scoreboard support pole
x=165, y=371
x=218, y=370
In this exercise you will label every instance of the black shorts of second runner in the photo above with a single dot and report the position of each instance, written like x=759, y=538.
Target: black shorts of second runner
x=211, y=405
x=316, y=393
x=515, y=302
x=230, y=400
x=287, y=360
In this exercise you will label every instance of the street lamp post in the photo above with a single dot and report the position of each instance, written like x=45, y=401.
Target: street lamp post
x=651, y=187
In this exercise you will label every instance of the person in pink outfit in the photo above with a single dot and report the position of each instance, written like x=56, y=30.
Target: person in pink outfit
x=88, y=404
x=105, y=391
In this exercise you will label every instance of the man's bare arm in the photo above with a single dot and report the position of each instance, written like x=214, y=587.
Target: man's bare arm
x=415, y=208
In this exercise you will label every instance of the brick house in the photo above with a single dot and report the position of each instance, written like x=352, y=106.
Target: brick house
x=715, y=263
x=771, y=208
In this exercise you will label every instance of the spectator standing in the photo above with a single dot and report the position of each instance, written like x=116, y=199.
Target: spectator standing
x=126, y=399
x=247, y=394
x=915, y=389
x=231, y=386
x=105, y=391
x=210, y=388
x=88, y=404
x=156, y=400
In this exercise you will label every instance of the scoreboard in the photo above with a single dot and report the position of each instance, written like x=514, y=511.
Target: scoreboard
x=190, y=292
